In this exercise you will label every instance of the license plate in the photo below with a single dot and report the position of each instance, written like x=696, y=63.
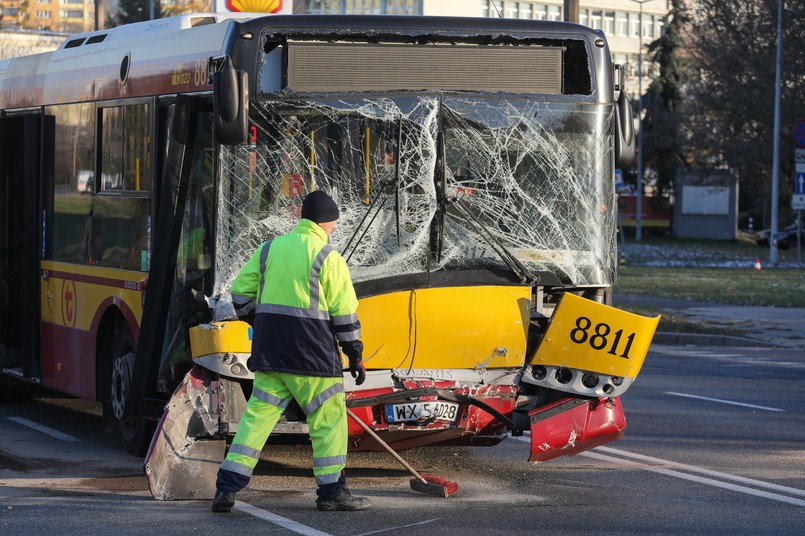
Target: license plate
x=440, y=411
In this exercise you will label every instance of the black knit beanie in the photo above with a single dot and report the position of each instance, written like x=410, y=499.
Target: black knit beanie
x=319, y=207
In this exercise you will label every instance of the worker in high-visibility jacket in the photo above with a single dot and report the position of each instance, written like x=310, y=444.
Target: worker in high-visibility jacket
x=304, y=300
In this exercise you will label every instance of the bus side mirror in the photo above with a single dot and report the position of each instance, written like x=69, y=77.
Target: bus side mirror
x=230, y=103
x=624, y=132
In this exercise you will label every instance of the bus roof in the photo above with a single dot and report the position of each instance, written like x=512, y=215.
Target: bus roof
x=140, y=30
x=130, y=61
x=122, y=62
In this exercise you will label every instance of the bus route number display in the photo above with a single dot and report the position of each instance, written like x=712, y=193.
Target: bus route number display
x=587, y=335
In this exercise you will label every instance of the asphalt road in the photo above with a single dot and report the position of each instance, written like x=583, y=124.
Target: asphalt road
x=715, y=444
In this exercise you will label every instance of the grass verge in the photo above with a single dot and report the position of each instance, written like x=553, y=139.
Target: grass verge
x=770, y=287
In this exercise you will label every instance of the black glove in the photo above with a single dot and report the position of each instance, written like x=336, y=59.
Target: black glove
x=357, y=370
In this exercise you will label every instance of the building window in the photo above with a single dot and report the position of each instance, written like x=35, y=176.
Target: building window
x=511, y=10
x=621, y=23
x=555, y=13
x=485, y=8
x=496, y=9
x=319, y=6
x=365, y=7
x=584, y=17
x=659, y=24
x=541, y=12
x=43, y=14
x=405, y=7
x=609, y=23
x=648, y=26
x=633, y=66
x=72, y=14
x=595, y=19
x=525, y=10
x=634, y=25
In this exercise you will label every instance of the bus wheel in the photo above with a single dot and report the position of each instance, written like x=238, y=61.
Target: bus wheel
x=15, y=391
x=134, y=430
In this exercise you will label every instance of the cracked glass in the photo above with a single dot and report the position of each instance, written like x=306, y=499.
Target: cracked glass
x=428, y=183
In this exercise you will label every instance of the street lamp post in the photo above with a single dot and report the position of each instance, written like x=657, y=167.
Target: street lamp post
x=639, y=198
x=775, y=173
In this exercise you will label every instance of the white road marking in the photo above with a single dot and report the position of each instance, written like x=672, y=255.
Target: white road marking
x=765, y=408
x=699, y=479
x=596, y=454
x=283, y=522
x=44, y=429
x=400, y=527
x=702, y=470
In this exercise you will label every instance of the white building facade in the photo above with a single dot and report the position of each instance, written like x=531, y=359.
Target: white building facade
x=619, y=19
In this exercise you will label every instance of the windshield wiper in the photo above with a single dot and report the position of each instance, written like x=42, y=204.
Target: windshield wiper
x=395, y=182
x=514, y=264
x=380, y=195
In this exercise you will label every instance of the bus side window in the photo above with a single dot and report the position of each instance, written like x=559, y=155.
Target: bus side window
x=123, y=206
x=126, y=148
x=75, y=235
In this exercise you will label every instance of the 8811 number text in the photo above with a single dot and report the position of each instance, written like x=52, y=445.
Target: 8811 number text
x=598, y=337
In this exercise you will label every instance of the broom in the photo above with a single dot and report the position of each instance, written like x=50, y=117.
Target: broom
x=430, y=484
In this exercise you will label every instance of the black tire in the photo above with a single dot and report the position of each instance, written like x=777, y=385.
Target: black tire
x=12, y=390
x=135, y=431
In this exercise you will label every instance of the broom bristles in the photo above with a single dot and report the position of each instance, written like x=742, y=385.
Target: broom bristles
x=449, y=486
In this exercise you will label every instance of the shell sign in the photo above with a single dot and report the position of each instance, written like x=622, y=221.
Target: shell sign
x=254, y=6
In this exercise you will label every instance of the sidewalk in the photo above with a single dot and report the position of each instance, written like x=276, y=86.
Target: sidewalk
x=761, y=326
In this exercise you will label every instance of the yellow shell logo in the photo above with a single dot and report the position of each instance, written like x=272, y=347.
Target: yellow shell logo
x=254, y=6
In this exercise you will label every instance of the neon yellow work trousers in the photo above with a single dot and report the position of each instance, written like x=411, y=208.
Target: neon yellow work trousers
x=324, y=404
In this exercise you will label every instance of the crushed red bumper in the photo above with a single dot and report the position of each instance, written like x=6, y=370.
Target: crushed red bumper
x=482, y=418
x=573, y=425
x=562, y=428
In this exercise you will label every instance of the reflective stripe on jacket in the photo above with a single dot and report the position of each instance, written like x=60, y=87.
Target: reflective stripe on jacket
x=304, y=302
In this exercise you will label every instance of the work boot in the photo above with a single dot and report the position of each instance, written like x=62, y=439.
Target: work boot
x=343, y=500
x=223, y=501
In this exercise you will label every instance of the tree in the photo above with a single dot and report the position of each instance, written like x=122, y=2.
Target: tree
x=23, y=15
x=134, y=11
x=664, y=103
x=731, y=47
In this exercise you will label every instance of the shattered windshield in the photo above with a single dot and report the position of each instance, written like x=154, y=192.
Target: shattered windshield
x=428, y=183
x=538, y=178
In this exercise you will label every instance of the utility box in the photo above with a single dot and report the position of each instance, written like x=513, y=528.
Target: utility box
x=706, y=206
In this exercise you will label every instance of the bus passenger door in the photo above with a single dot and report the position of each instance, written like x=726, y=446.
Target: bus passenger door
x=20, y=245
x=187, y=177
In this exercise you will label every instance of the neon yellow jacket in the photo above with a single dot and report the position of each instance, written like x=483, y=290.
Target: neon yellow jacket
x=304, y=301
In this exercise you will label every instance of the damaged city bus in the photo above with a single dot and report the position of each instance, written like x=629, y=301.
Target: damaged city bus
x=472, y=161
